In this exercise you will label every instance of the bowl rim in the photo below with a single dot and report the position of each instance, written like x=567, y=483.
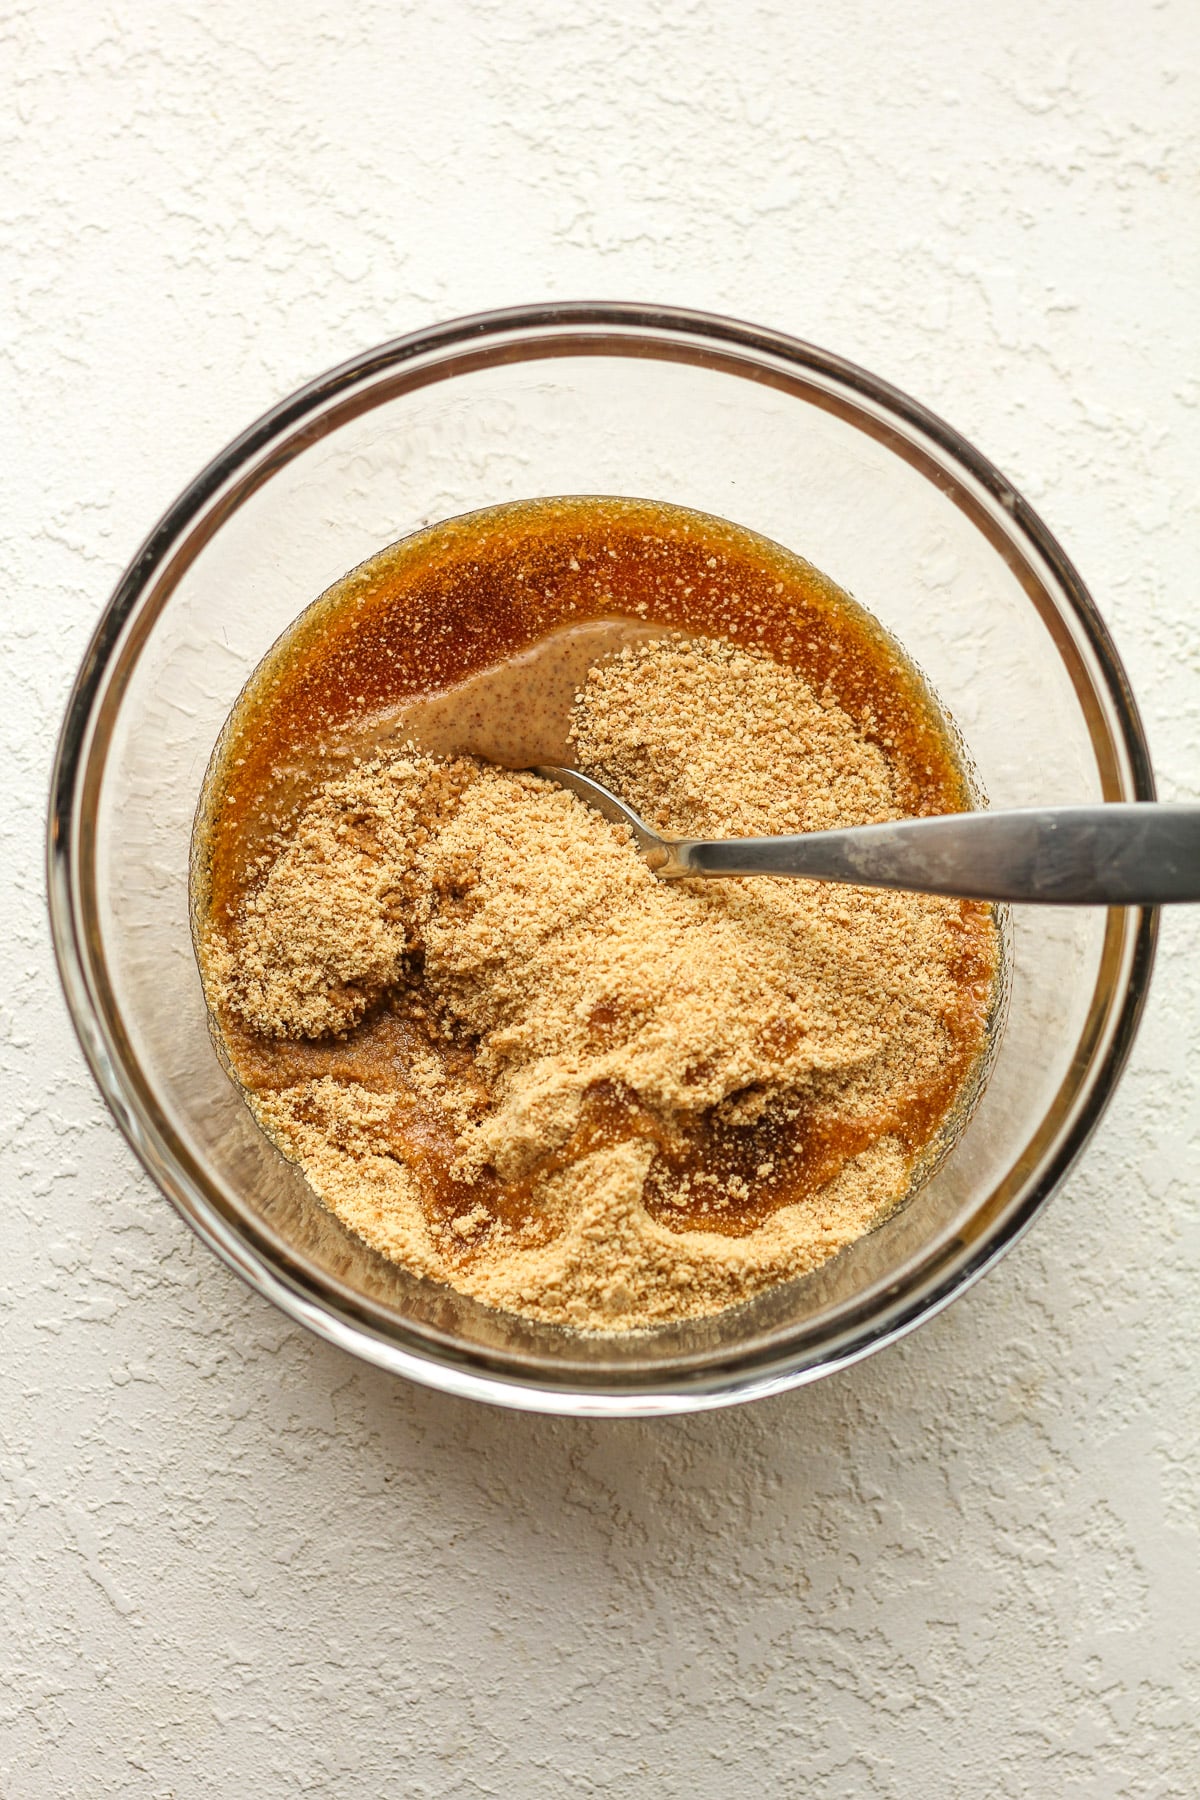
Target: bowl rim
x=318, y=1305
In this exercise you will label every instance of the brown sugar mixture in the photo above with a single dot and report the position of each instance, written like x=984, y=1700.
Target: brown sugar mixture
x=501, y=1049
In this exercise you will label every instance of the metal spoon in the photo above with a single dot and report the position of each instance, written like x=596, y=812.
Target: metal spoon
x=1117, y=855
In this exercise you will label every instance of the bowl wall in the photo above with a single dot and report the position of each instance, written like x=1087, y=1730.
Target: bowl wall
x=770, y=433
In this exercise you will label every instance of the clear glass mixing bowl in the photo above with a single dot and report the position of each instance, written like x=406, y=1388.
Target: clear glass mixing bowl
x=709, y=413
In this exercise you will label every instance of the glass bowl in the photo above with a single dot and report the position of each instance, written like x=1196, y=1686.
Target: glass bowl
x=616, y=399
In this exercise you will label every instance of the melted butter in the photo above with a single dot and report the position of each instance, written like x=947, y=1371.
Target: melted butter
x=473, y=637
x=438, y=609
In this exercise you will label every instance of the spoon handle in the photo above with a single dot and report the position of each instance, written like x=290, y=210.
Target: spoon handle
x=1115, y=855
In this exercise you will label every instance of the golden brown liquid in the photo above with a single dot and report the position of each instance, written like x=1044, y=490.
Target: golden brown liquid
x=544, y=587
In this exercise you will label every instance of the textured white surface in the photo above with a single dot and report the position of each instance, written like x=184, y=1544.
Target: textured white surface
x=236, y=1561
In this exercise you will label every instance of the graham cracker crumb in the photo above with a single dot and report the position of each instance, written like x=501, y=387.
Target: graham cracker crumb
x=573, y=1090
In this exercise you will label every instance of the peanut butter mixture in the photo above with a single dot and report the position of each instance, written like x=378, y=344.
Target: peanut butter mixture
x=510, y=1057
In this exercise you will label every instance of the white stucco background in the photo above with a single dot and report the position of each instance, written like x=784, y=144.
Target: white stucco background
x=237, y=1562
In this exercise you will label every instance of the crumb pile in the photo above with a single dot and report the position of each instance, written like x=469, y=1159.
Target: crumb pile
x=510, y=1057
